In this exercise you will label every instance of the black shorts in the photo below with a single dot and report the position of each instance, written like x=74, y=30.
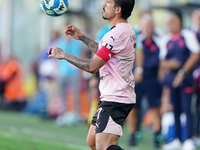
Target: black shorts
x=110, y=117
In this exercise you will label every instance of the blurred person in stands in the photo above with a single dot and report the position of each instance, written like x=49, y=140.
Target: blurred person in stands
x=138, y=27
x=149, y=85
x=48, y=80
x=61, y=81
x=69, y=82
x=179, y=53
x=12, y=92
x=195, y=27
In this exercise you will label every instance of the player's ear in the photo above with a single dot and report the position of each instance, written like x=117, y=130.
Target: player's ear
x=118, y=10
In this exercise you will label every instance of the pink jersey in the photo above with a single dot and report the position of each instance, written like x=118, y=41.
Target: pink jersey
x=116, y=77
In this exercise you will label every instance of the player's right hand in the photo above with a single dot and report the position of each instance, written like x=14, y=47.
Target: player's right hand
x=74, y=32
x=56, y=53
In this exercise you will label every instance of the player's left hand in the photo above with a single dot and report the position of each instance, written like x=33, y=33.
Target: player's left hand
x=177, y=81
x=138, y=77
x=55, y=52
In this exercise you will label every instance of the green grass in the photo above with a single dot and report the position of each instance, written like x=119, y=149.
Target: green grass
x=19, y=131
x=17, y=142
x=23, y=132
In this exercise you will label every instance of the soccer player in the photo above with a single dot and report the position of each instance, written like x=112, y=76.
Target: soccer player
x=114, y=58
x=148, y=41
x=179, y=54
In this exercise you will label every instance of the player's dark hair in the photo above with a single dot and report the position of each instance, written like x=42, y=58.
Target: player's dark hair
x=126, y=6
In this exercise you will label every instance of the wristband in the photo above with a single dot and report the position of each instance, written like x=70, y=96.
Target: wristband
x=138, y=70
x=181, y=72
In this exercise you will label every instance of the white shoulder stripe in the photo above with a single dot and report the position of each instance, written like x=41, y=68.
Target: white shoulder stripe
x=191, y=40
x=163, y=46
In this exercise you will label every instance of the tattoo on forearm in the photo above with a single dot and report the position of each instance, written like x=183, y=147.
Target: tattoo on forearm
x=58, y=52
x=92, y=45
x=83, y=64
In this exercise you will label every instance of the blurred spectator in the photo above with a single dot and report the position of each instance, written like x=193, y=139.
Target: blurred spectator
x=31, y=81
x=48, y=85
x=195, y=26
x=138, y=27
x=12, y=92
x=148, y=85
x=179, y=54
x=69, y=82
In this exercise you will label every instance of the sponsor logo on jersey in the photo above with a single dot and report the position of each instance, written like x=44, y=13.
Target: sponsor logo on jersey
x=113, y=38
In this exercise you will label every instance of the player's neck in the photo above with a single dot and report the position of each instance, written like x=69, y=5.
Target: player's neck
x=115, y=21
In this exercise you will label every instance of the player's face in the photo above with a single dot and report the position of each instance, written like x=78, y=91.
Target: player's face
x=109, y=8
x=196, y=18
x=173, y=24
x=147, y=28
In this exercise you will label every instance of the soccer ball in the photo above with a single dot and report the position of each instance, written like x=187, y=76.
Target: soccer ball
x=54, y=7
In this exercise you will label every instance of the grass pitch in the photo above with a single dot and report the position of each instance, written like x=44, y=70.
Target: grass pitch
x=19, y=131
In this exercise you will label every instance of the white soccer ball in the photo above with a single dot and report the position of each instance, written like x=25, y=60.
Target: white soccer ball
x=54, y=7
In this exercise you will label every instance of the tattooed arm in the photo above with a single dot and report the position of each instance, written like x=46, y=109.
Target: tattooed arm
x=76, y=33
x=92, y=45
x=89, y=65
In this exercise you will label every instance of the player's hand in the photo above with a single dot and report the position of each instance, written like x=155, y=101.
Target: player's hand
x=177, y=81
x=138, y=77
x=56, y=53
x=74, y=32
x=171, y=64
x=174, y=64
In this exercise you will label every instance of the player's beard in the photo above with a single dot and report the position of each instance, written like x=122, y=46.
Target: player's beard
x=103, y=11
x=104, y=18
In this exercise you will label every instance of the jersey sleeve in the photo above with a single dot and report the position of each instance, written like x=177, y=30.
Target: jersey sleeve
x=191, y=41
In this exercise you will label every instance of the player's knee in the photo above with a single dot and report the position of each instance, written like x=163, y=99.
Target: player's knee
x=91, y=143
x=114, y=147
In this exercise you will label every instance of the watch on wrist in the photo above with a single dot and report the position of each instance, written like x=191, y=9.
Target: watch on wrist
x=181, y=72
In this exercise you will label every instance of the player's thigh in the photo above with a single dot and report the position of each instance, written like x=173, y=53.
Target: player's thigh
x=91, y=136
x=104, y=140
